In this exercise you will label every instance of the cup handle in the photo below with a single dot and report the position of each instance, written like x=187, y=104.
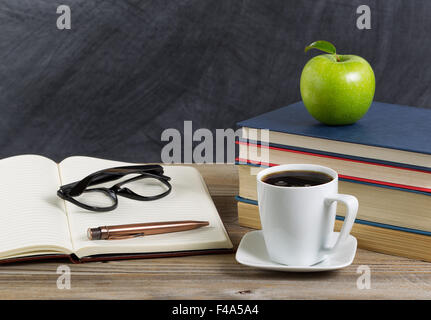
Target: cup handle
x=352, y=209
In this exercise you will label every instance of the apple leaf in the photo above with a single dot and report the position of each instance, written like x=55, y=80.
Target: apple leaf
x=322, y=45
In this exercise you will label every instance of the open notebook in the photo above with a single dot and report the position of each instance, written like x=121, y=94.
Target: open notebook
x=36, y=224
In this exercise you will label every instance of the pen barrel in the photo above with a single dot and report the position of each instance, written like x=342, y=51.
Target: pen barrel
x=141, y=229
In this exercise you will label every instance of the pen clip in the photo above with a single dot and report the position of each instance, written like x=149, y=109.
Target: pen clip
x=126, y=236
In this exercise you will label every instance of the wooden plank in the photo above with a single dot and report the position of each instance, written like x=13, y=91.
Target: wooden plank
x=216, y=276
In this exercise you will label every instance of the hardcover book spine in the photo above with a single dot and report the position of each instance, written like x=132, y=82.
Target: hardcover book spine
x=276, y=146
x=400, y=178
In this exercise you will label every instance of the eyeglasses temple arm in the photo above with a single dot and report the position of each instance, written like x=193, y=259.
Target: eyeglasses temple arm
x=110, y=175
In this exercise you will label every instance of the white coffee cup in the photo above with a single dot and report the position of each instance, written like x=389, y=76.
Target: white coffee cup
x=297, y=222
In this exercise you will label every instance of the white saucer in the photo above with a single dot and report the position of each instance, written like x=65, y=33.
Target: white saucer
x=252, y=252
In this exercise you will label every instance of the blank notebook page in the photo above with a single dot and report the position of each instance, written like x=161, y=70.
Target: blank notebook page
x=188, y=200
x=32, y=217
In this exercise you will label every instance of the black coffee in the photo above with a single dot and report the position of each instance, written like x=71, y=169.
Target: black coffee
x=296, y=178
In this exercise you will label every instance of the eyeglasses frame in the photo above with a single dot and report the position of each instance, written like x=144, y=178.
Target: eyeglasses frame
x=69, y=191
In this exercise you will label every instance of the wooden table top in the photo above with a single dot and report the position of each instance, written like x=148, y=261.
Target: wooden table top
x=216, y=276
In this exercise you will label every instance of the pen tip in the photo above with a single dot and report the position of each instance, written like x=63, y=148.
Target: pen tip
x=94, y=233
x=89, y=235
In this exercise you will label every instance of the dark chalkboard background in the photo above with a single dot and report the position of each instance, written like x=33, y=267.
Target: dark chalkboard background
x=127, y=70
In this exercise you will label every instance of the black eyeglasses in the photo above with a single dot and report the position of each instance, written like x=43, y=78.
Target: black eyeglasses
x=105, y=199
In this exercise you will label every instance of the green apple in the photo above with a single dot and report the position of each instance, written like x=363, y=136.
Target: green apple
x=336, y=89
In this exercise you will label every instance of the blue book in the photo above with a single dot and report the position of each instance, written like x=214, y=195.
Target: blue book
x=388, y=133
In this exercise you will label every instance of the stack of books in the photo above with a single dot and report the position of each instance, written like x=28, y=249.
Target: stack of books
x=384, y=160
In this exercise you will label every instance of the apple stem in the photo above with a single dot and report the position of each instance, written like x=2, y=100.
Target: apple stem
x=337, y=57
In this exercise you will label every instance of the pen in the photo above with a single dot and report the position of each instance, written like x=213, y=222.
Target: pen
x=126, y=231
